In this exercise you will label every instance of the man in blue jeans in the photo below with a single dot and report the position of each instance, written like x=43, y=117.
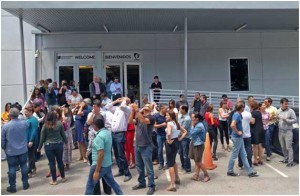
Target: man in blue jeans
x=14, y=143
x=238, y=143
x=101, y=156
x=143, y=147
x=185, y=121
x=160, y=125
x=272, y=125
x=119, y=127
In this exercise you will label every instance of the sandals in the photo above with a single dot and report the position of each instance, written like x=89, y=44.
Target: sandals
x=64, y=180
x=53, y=182
x=195, y=177
x=172, y=189
x=132, y=166
x=206, y=179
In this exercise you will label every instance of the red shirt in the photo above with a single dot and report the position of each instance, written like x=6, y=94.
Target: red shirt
x=206, y=116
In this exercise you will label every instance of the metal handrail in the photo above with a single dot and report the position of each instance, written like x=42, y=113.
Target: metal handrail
x=216, y=97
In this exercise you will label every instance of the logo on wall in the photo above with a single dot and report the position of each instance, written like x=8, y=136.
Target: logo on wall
x=122, y=57
x=136, y=56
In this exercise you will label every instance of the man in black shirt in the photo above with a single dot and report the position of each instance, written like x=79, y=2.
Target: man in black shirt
x=156, y=85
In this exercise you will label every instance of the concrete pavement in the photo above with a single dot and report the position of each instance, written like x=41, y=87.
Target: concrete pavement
x=275, y=179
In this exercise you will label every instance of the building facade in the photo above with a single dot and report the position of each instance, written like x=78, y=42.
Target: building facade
x=270, y=60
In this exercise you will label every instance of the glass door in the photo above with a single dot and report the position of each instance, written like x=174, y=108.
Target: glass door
x=133, y=81
x=85, y=77
x=113, y=70
x=65, y=72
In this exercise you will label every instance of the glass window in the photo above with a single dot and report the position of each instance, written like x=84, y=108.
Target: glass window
x=239, y=74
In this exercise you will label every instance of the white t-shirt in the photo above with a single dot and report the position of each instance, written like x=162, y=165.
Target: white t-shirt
x=246, y=124
x=174, y=131
x=75, y=99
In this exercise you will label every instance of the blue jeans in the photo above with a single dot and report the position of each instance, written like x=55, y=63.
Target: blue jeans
x=268, y=142
x=248, y=148
x=106, y=174
x=184, y=146
x=118, y=141
x=161, y=142
x=143, y=158
x=12, y=164
x=269, y=139
x=238, y=149
x=55, y=151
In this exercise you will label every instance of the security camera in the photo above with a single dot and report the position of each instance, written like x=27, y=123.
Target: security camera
x=37, y=52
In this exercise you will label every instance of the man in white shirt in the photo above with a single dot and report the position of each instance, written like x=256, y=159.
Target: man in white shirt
x=119, y=127
x=246, y=117
x=116, y=89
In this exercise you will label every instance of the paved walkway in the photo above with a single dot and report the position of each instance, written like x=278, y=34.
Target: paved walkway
x=275, y=179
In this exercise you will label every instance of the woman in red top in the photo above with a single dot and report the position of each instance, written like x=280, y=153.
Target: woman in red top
x=212, y=129
x=129, y=147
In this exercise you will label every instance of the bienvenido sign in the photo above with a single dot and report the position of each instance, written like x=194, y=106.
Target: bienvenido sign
x=89, y=58
x=122, y=56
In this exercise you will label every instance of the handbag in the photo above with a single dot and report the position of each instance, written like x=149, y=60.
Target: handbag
x=216, y=122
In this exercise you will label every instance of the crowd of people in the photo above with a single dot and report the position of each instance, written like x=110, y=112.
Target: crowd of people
x=107, y=123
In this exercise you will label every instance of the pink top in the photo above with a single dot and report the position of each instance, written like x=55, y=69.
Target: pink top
x=265, y=119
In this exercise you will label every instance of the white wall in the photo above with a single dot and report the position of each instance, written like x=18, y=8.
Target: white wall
x=11, y=64
x=273, y=58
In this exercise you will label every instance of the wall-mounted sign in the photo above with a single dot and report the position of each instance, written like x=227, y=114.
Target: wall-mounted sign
x=89, y=58
x=122, y=56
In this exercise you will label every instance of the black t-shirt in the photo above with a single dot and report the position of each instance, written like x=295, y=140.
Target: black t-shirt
x=159, y=119
x=197, y=105
x=158, y=85
x=144, y=132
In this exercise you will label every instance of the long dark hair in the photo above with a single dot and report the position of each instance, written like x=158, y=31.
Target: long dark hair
x=173, y=117
x=51, y=120
x=6, y=105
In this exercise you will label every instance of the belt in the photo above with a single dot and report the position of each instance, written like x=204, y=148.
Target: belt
x=53, y=143
x=118, y=132
x=116, y=93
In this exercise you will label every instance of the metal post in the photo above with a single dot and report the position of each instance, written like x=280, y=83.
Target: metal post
x=185, y=57
x=23, y=59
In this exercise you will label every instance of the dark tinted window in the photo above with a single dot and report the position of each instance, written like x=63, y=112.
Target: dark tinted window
x=239, y=78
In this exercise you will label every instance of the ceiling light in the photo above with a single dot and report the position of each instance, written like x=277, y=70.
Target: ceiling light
x=105, y=28
x=175, y=28
x=43, y=29
x=241, y=27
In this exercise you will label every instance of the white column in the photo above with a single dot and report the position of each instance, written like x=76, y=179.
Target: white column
x=185, y=57
x=23, y=60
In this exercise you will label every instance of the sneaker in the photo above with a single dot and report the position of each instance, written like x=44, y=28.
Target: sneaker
x=290, y=165
x=127, y=178
x=215, y=158
x=284, y=161
x=166, y=167
x=25, y=187
x=253, y=174
x=240, y=167
x=160, y=167
x=11, y=190
x=232, y=174
x=151, y=191
x=139, y=186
